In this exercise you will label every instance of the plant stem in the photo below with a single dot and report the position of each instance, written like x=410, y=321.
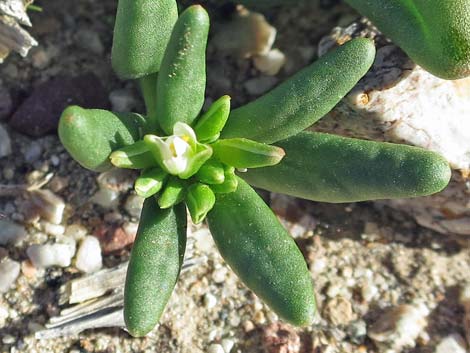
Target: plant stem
x=148, y=86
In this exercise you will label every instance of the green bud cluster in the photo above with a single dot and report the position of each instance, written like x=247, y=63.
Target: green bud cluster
x=193, y=165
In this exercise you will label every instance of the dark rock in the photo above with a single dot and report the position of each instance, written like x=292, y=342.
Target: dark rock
x=39, y=113
x=6, y=103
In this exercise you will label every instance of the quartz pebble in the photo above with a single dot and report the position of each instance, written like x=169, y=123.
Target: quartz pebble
x=5, y=142
x=9, y=272
x=11, y=233
x=48, y=255
x=89, y=255
x=451, y=344
x=89, y=40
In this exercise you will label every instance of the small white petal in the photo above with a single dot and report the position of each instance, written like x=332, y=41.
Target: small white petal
x=185, y=132
x=178, y=145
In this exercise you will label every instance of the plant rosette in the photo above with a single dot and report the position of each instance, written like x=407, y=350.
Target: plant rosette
x=206, y=162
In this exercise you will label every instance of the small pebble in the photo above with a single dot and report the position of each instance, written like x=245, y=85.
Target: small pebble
x=227, y=344
x=3, y=315
x=89, y=40
x=32, y=152
x=215, y=348
x=5, y=142
x=133, y=205
x=106, y=198
x=76, y=231
x=271, y=63
x=48, y=255
x=122, y=100
x=11, y=233
x=52, y=229
x=357, y=331
x=89, y=255
x=210, y=300
x=8, y=339
x=451, y=344
x=339, y=311
x=219, y=275
x=9, y=272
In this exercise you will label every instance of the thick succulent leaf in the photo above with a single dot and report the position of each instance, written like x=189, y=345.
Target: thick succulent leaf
x=304, y=98
x=172, y=194
x=210, y=124
x=90, y=135
x=323, y=167
x=434, y=33
x=244, y=153
x=154, y=266
x=141, y=33
x=261, y=252
x=200, y=199
x=135, y=156
x=182, y=78
x=150, y=182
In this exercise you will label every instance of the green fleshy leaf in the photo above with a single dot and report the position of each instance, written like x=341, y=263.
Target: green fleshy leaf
x=244, y=153
x=200, y=199
x=210, y=124
x=261, y=252
x=154, y=266
x=150, y=182
x=172, y=194
x=434, y=33
x=141, y=33
x=329, y=168
x=90, y=135
x=300, y=101
x=212, y=172
x=182, y=78
x=135, y=156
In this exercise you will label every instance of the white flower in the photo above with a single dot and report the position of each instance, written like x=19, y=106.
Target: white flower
x=177, y=150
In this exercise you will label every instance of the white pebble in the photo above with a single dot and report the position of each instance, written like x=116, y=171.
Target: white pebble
x=9, y=272
x=52, y=229
x=5, y=142
x=89, y=255
x=210, y=301
x=451, y=344
x=227, y=345
x=107, y=198
x=369, y=291
x=8, y=339
x=47, y=255
x=11, y=233
x=219, y=275
x=133, y=205
x=259, y=85
x=3, y=316
x=271, y=62
x=204, y=242
x=215, y=348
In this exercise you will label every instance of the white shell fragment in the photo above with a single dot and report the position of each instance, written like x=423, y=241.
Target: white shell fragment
x=12, y=36
x=9, y=272
x=89, y=255
x=451, y=344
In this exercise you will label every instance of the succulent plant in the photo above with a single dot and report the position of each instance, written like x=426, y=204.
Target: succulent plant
x=203, y=161
x=434, y=33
